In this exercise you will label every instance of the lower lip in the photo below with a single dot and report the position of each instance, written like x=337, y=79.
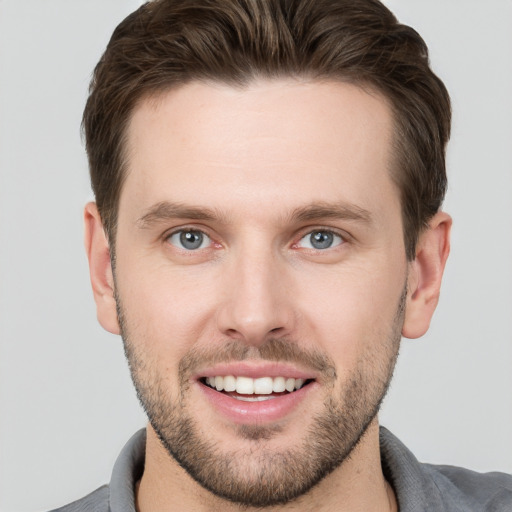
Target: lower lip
x=250, y=413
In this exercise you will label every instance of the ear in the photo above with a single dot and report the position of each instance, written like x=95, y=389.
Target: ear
x=425, y=275
x=100, y=269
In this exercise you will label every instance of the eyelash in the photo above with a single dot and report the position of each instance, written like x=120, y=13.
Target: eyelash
x=325, y=231
x=167, y=237
x=310, y=232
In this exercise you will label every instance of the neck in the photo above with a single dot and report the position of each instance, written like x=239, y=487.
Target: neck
x=356, y=485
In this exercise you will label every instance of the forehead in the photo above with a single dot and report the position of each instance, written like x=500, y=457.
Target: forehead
x=276, y=143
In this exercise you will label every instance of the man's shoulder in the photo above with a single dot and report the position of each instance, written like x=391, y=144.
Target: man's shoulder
x=118, y=495
x=489, y=491
x=97, y=501
x=420, y=487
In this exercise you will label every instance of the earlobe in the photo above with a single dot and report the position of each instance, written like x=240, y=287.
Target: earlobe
x=100, y=269
x=425, y=275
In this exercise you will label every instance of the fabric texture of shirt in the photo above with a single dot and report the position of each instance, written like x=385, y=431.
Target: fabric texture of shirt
x=418, y=487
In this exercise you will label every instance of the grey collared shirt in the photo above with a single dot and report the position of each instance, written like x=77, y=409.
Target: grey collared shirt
x=418, y=487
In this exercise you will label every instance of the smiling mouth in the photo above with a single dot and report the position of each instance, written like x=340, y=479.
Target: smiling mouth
x=254, y=390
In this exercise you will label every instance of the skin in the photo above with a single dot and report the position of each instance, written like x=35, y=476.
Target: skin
x=254, y=157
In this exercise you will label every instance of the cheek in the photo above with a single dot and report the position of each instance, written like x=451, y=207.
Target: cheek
x=354, y=312
x=166, y=311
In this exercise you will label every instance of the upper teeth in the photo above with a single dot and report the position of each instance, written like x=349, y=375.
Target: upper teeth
x=248, y=386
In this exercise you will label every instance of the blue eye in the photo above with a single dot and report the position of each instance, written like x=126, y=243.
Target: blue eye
x=320, y=239
x=189, y=239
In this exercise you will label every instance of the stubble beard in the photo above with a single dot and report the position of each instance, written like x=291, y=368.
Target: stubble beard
x=258, y=476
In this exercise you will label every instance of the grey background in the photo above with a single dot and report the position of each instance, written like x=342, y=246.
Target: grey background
x=66, y=401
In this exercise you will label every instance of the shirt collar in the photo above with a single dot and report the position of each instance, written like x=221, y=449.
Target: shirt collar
x=127, y=471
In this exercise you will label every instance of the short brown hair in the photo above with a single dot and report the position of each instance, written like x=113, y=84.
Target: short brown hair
x=166, y=43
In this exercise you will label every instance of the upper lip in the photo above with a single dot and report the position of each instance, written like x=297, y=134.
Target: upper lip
x=255, y=370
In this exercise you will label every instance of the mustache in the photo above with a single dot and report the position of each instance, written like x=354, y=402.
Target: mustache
x=275, y=350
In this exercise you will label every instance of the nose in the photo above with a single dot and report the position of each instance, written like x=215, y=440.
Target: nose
x=257, y=295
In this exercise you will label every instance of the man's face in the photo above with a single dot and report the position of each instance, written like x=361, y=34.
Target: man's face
x=260, y=249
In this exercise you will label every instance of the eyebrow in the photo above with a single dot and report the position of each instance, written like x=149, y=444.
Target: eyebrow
x=341, y=211
x=166, y=210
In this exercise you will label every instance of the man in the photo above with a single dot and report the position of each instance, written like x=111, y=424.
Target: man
x=268, y=179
